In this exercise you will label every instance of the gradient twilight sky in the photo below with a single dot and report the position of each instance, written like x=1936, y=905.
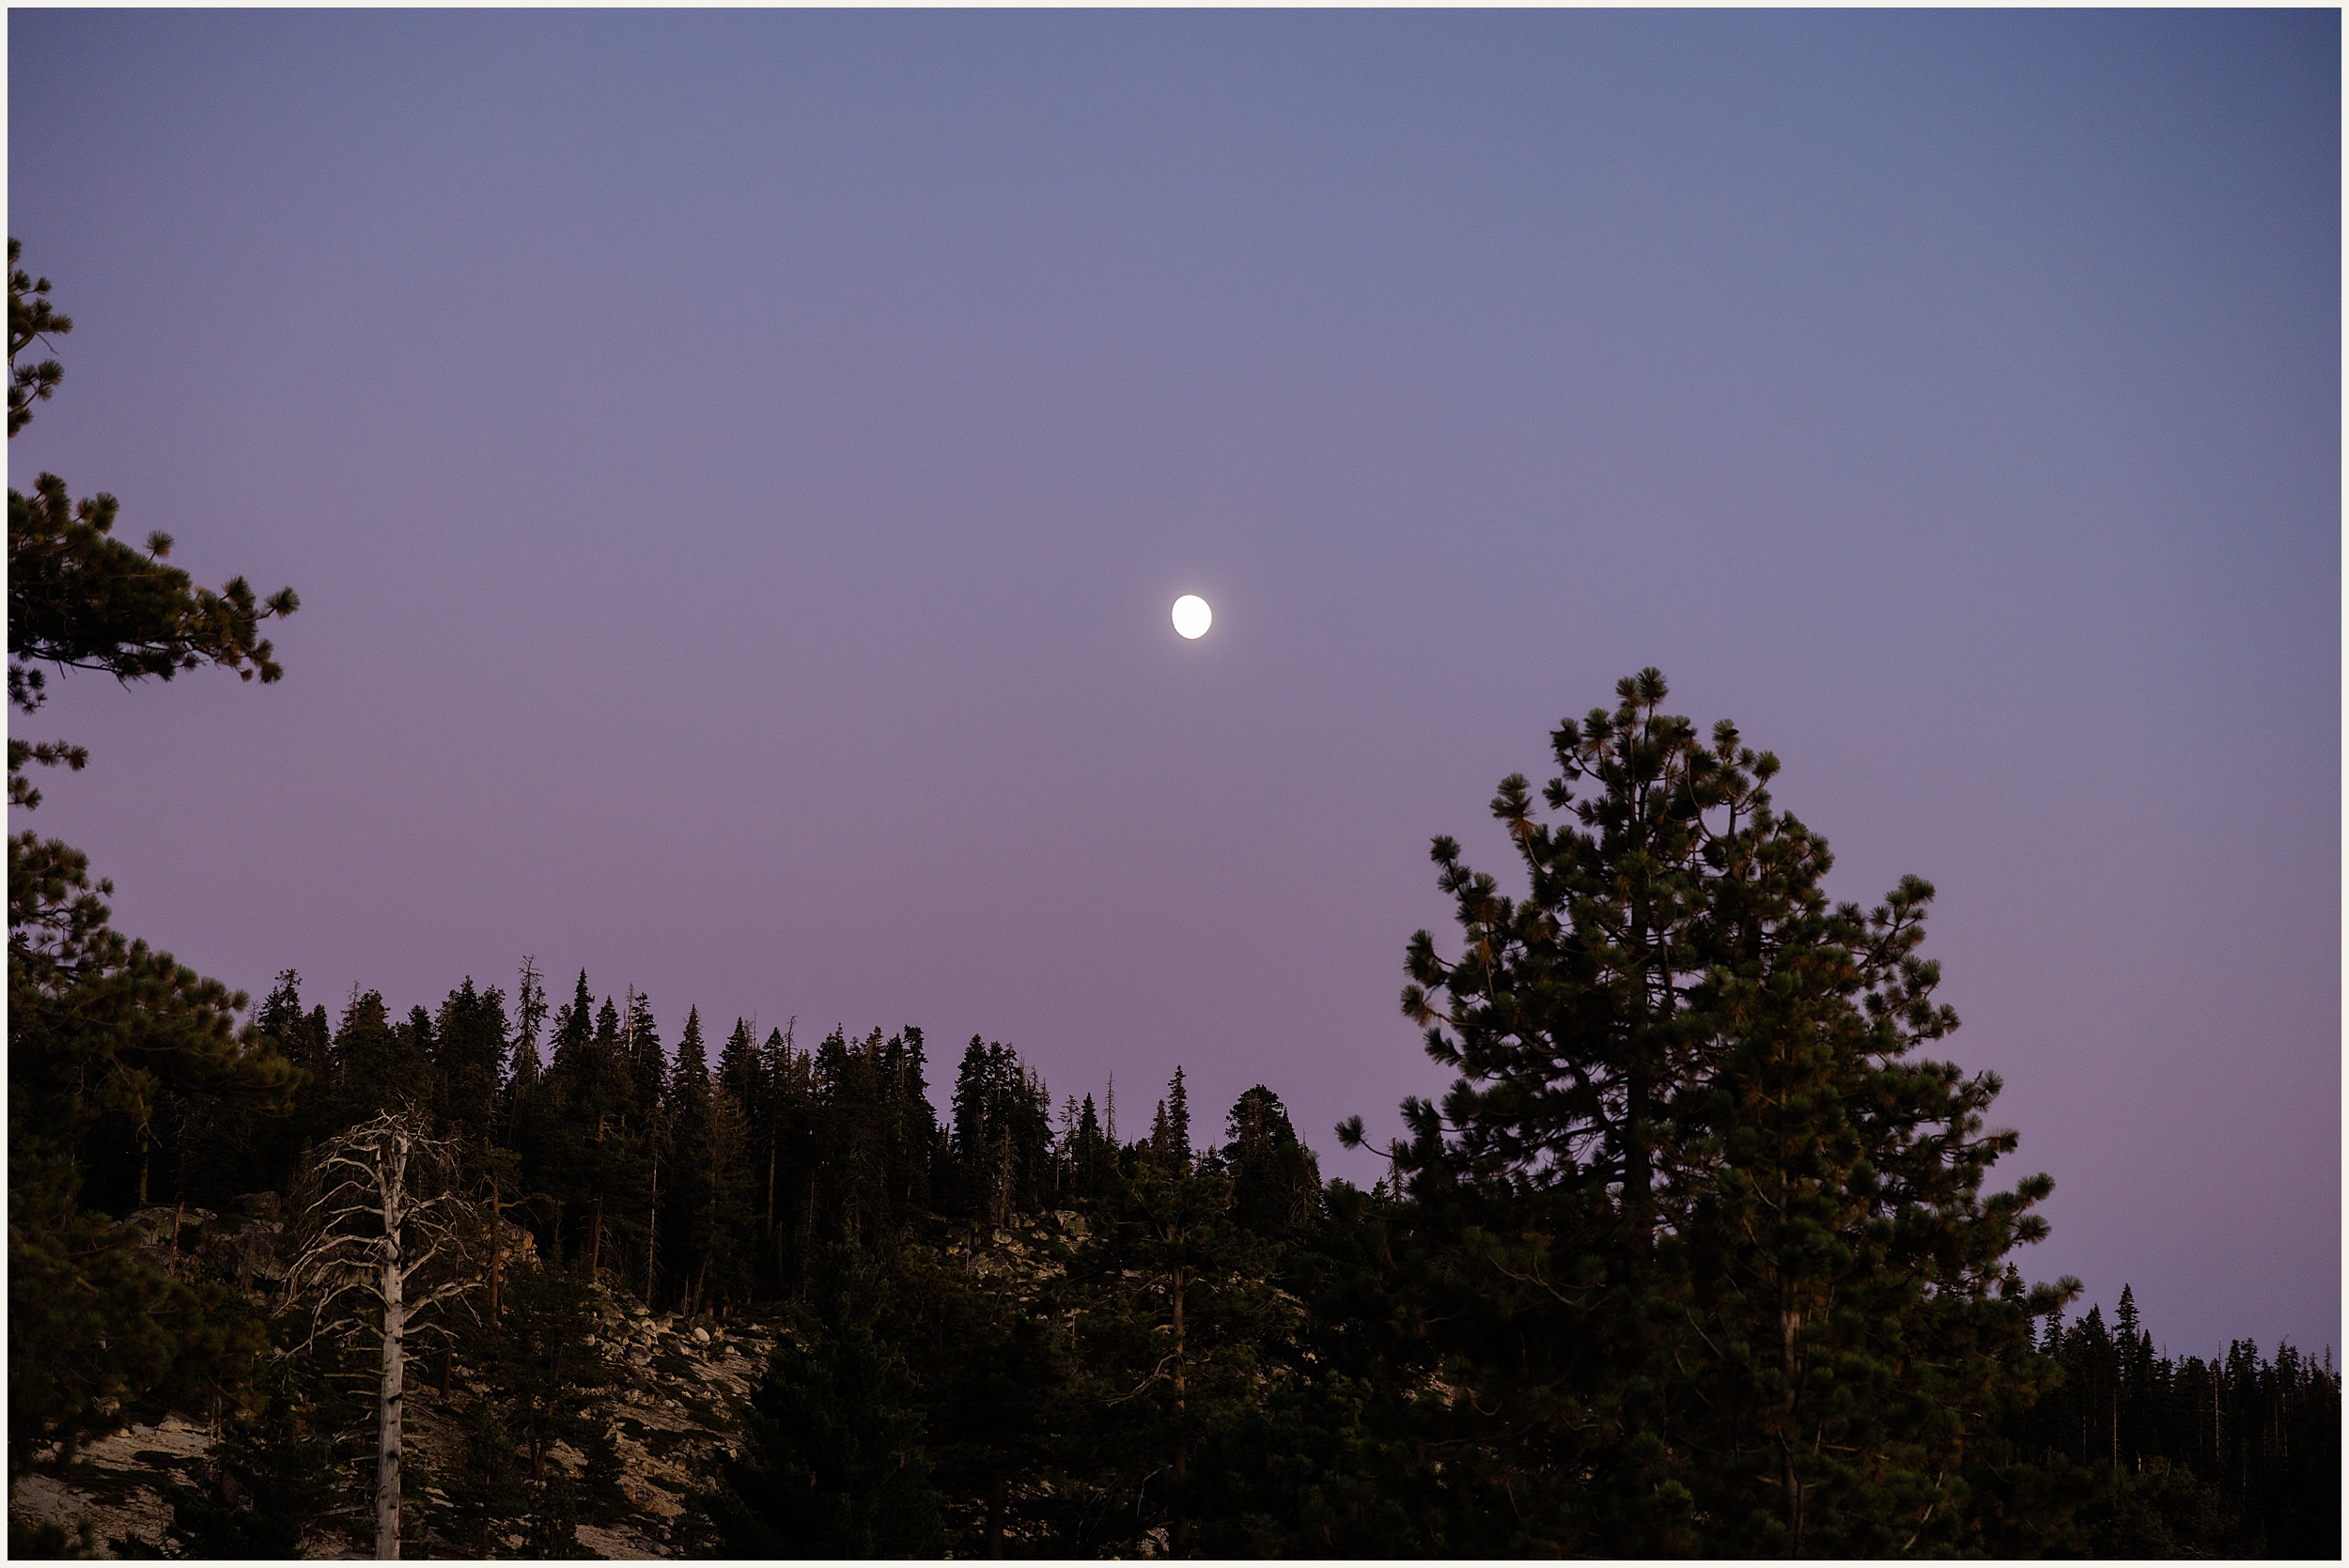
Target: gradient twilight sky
x=737, y=467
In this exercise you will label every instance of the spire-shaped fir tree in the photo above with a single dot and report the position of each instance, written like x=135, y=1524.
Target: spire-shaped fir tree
x=686, y=1204
x=469, y=1057
x=525, y=1067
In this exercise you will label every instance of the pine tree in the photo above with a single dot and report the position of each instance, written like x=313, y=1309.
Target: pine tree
x=1736, y=1266
x=269, y=1478
x=105, y=1034
x=487, y=1494
x=468, y=1059
x=1171, y=1127
x=833, y=1462
x=649, y=1069
x=583, y=1137
x=874, y=1138
x=788, y=1139
x=530, y=1012
x=302, y=1037
x=80, y=598
x=1173, y=1312
x=1276, y=1181
x=739, y=1069
x=217, y=1150
x=1837, y=1186
x=687, y=1213
x=641, y=1040
x=1002, y=1141
x=377, y=1064
x=975, y=1176
x=729, y=1225
x=113, y=1048
x=1089, y=1158
x=574, y=1024
x=545, y=1363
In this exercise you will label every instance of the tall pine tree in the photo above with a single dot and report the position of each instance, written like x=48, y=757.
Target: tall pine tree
x=1718, y=1257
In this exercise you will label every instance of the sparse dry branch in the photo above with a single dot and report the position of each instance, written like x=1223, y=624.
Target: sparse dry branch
x=367, y=1235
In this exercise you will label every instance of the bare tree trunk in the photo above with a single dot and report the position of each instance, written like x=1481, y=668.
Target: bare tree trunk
x=1182, y=1441
x=497, y=1218
x=391, y=1175
x=366, y=1216
x=1790, y=1328
x=652, y=1226
x=595, y=1238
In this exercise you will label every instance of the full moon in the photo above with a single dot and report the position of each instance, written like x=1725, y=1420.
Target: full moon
x=1192, y=616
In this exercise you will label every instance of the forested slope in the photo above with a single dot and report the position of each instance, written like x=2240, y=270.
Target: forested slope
x=1002, y=1330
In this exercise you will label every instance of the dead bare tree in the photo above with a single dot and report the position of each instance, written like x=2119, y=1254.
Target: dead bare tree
x=386, y=1206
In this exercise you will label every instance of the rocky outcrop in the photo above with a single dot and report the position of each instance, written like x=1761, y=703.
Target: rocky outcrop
x=108, y=1496
x=241, y=1246
x=673, y=1412
x=678, y=1409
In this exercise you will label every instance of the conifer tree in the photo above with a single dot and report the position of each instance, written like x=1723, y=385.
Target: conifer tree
x=377, y=1064
x=522, y=1075
x=648, y=1070
x=1276, y=1181
x=1172, y=1136
x=214, y=1150
x=469, y=1056
x=910, y=1134
x=1088, y=1156
x=739, y=1069
x=101, y=1029
x=1002, y=1135
x=549, y=1371
x=1175, y=1310
x=583, y=1140
x=1736, y=1259
x=877, y=1138
x=269, y=1478
x=776, y=1111
x=787, y=1142
x=487, y=1494
x=641, y=1039
x=729, y=1263
x=689, y=1209
x=80, y=598
x=303, y=1038
x=832, y=1462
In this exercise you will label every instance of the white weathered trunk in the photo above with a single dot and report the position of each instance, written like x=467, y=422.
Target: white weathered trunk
x=392, y=1177
x=364, y=1176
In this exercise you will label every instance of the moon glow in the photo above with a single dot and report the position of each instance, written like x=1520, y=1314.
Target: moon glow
x=1193, y=618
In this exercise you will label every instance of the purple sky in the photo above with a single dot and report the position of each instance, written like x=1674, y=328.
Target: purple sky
x=737, y=468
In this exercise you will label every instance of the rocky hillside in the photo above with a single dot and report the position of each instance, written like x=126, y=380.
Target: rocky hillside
x=672, y=1410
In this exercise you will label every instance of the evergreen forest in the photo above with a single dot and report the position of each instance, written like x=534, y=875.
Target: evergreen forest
x=1708, y=1250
